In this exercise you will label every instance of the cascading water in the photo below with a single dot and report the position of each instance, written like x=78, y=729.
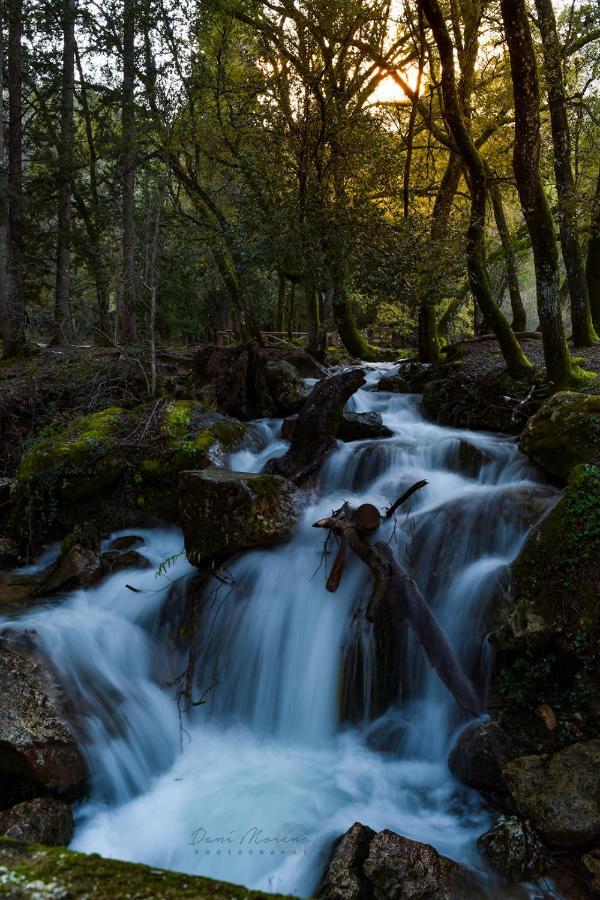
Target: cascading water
x=255, y=783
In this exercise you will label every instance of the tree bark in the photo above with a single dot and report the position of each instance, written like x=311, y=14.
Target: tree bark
x=516, y=362
x=317, y=425
x=62, y=312
x=4, y=254
x=536, y=211
x=581, y=319
x=14, y=324
x=592, y=263
x=519, y=316
x=429, y=344
x=126, y=304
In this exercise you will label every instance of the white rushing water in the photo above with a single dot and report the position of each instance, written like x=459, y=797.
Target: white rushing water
x=260, y=779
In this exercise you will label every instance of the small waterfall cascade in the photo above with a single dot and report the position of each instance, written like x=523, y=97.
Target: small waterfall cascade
x=253, y=785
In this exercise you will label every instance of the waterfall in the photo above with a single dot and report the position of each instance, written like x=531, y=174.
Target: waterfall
x=254, y=784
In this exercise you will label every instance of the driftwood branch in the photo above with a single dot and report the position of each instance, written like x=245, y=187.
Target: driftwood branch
x=394, y=590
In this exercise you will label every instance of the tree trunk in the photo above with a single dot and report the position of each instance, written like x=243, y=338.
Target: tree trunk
x=592, y=264
x=536, y=211
x=4, y=255
x=126, y=306
x=519, y=316
x=14, y=325
x=581, y=319
x=516, y=362
x=429, y=345
x=280, y=310
x=314, y=436
x=62, y=313
x=93, y=223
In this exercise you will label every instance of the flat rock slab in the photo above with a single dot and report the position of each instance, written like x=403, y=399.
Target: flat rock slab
x=223, y=512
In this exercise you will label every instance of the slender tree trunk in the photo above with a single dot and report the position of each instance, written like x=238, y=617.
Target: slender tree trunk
x=280, y=311
x=62, y=312
x=14, y=326
x=4, y=255
x=526, y=161
x=519, y=316
x=592, y=264
x=94, y=222
x=516, y=361
x=581, y=319
x=291, y=313
x=429, y=345
x=126, y=306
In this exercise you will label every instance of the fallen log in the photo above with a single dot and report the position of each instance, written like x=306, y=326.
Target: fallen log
x=318, y=421
x=395, y=591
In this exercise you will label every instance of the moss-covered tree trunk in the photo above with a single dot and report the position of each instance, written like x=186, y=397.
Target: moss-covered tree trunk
x=516, y=362
x=581, y=319
x=592, y=263
x=429, y=344
x=519, y=316
x=526, y=161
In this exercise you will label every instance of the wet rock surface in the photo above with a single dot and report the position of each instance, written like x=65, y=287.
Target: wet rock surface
x=560, y=794
x=513, y=849
x=563, y=434
x=37, y=747
x=369, y=865
x=225, y=512
x=352, y=427
x=41, y=821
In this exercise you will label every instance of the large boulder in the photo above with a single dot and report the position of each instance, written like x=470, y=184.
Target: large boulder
x=42, y=821
x=479, y=755
x=564, y=433
x=225, y=512
x=513, y=849
x=38, y=752
x=560, y=794
x=129, y=456
x=369, y=865
x=555, y=580
x=249, y=381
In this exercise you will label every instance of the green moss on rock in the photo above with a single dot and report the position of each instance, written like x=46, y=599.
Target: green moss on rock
x=137, y=451
x=547, y=629
x=564, y=433
x=47, y=873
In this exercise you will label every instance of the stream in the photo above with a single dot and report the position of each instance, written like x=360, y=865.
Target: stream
x=254, y=785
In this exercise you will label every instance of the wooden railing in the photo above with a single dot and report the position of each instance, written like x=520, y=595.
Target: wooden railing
x=227, y=338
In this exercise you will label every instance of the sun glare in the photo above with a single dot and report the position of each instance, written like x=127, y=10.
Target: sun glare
x=388, y=91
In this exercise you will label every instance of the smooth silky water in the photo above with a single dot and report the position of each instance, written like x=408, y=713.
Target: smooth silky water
x=254, y=785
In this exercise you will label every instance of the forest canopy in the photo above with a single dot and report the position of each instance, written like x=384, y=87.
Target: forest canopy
x=175, y=170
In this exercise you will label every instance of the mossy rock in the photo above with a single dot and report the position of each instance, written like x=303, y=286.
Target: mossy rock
x=46, y=873
x=224, y=512
x=546, y=626
x=135, y=452
x=564, y=433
